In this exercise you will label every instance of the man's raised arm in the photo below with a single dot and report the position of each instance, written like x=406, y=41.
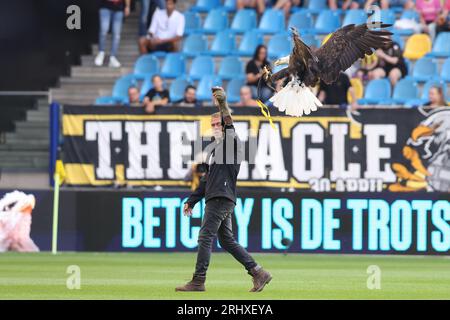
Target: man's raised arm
x=221, y=98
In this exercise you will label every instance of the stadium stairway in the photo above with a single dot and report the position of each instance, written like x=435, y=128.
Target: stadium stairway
x=87, y=81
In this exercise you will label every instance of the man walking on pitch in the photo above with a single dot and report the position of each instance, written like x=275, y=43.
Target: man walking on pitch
x=218, y=187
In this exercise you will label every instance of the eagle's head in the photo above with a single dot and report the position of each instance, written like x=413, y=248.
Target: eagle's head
x=17, y=202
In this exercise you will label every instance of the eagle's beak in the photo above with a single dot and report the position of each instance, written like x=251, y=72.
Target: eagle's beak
x=281, y=61
x=29, y=205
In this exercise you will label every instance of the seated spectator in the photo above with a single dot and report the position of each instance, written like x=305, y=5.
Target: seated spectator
x=436, y=97
x=390, y=64
x=165, y=32
x=286, y=6
x=443, y=21
x=429, y=11
x=336, y=93
x=254, y=71
x=246, y=98
x=146, y=11
x=190, y=98
x=133, y=97
x=111, y=10
x=346, y=4
x=259, y=5
x=157, y=96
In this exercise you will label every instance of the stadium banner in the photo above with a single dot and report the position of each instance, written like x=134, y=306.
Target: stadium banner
x=302, y=222
x=372, y=150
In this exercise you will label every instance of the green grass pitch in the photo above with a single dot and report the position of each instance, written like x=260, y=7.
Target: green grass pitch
x=155, y=275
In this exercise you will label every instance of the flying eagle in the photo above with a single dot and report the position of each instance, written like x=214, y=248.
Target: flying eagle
x=306, y=66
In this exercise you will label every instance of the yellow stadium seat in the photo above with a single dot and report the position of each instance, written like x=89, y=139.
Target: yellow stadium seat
x=417, y=46
x=358, y=86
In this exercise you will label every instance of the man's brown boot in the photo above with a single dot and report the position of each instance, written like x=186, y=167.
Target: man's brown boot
x=196, y=284
x=260, y=278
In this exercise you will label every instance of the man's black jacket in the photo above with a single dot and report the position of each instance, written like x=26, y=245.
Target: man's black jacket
x=224, y=158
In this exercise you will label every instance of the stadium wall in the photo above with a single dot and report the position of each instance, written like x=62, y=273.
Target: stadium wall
x=149, y=221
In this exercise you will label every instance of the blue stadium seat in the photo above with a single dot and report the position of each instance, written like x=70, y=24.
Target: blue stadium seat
x=244, y=20
x=424, y=69
x=397, y=38
x=410, y=15
x=445, y=71
x=279, y=46
x=424, y=96
x=205, y=5
x=120, y=89
x=205, y=85
x=388, y=16
x=193, y=22
x=230, y=68
x=376, y=91
x=327, y=22
x=195, y=44
x=249, y=42
x=317, y=6
x=230, y=5
x=108, y=100
x=177, y=88
x=441, y=46
x=357, y=16
x=224, y=43
x=145, y=87
x=272, y=21
x=201, y=66
x=405, y=90
x=302, y=21
x=216, y=20
x=234, y=88
x=146, y=65
x=174, y=65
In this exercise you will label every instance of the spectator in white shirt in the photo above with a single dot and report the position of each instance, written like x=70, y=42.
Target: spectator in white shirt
x=165, y=32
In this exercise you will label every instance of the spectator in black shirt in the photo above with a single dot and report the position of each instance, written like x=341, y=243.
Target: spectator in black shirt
x=157, y=96
x=190, y=98
x=218, y=187
x=254, y=71
x=336, y=93
x=390, y=64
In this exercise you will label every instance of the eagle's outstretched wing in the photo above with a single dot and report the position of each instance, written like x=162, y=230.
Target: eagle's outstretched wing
x=347, y=45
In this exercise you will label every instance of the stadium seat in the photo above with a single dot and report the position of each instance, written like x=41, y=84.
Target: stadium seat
x=177, y=88
x=272, y=21
x=234, y=88
x=224, y=43
x=195, y=44
x=408, y=15
x=201, y=66
x=146, y=65
x=424, y=96
x=388, y=16
x=417, y=46
x=193, y=22
x=174, y=65
x=317, y=6
x=302, y=21
x=279, y=46
x=249, y=42
x=357, y=16
x=327, y=22
x=230, y=68
x=205, y=5
x=145, y=87
x=108, y=100
x=445, y=71
x=230, y=5
x=215, y=21
x=424, y=69
x=397, y=38
x=376, y=91
x=441, y=46
x=405, y=89
x=120, y=89
x=205, y=85
x=244, y=20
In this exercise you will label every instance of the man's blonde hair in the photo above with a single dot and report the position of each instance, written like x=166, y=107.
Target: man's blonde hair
x=216, y=115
